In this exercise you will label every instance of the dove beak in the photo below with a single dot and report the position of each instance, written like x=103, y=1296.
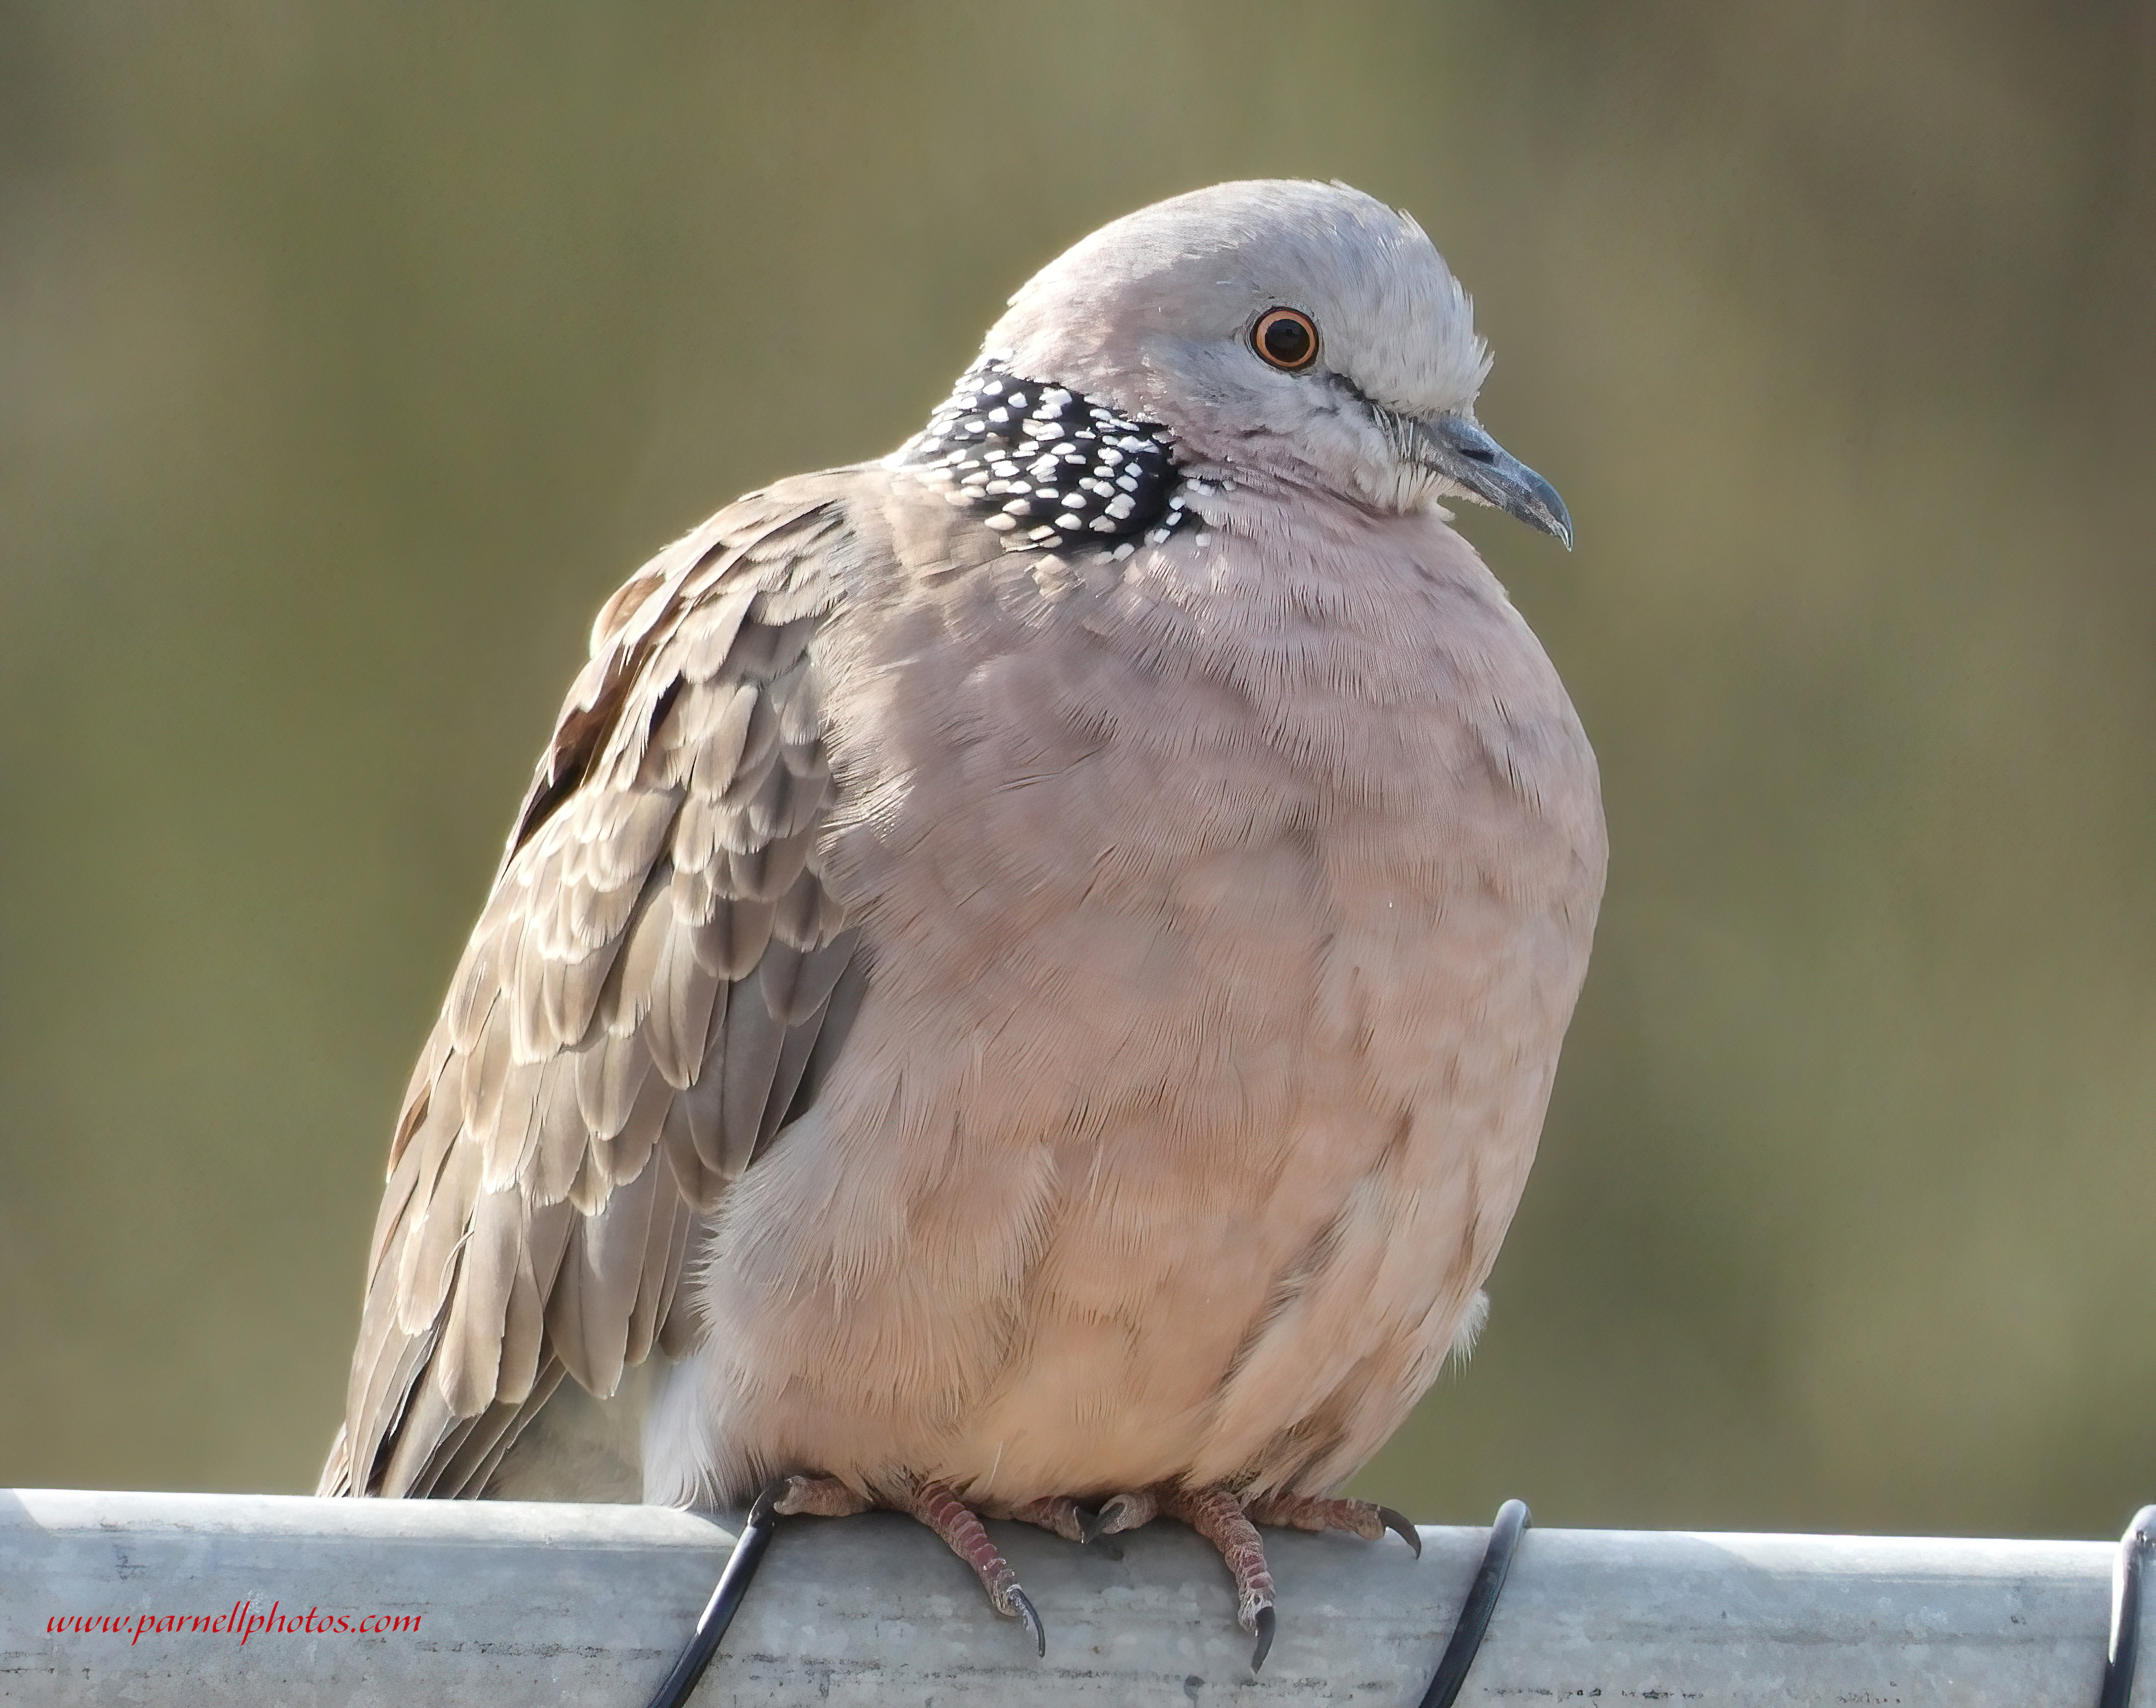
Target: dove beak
x=1456, y=447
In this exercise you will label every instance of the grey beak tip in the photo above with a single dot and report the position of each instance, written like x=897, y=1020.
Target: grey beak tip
x=1542, y=507
x=1461, y=450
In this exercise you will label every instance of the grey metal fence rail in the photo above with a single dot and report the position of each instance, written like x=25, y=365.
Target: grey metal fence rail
x=147, y=1598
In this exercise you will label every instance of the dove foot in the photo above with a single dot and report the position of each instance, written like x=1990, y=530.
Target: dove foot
x=1363, y=1518
x=954, y=1521
x=1059, y=1514
x=1230, y=1525
x=1216, y=1514
x=818, y=1497
x=936, y=1507
x=1122, y=1512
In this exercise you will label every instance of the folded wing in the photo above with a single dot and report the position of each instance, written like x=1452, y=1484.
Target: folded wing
x=658, y=982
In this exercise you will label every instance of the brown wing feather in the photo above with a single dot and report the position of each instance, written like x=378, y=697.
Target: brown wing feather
x=642, y=994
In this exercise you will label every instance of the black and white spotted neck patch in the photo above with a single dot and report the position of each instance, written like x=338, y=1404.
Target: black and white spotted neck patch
x=1048, y=466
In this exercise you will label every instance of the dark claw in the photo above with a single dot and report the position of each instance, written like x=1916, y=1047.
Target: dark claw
x=1263, y=1624
x=1090, y=1535
x=1096, y=1538
x=1397, y=1522
x=1110, y=1510
x=1031, y=1619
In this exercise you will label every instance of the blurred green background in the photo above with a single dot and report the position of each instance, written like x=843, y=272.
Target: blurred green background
x=350, y=354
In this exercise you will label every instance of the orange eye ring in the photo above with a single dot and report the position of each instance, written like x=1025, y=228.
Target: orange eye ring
x=1285, y=339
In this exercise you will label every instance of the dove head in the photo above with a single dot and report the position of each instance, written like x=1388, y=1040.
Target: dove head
x=1300, y=332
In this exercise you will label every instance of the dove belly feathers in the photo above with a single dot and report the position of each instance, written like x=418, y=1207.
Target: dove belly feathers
x=1224, y=911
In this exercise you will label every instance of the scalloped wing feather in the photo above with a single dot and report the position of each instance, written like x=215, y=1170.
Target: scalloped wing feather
x=643, y=1003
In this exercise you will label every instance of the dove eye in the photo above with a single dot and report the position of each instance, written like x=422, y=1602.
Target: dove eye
x=1285, y=338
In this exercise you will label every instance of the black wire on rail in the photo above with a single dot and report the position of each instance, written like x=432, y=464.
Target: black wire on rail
x=2133, y=1549
x=1513, y=1517
x=725, y=1600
